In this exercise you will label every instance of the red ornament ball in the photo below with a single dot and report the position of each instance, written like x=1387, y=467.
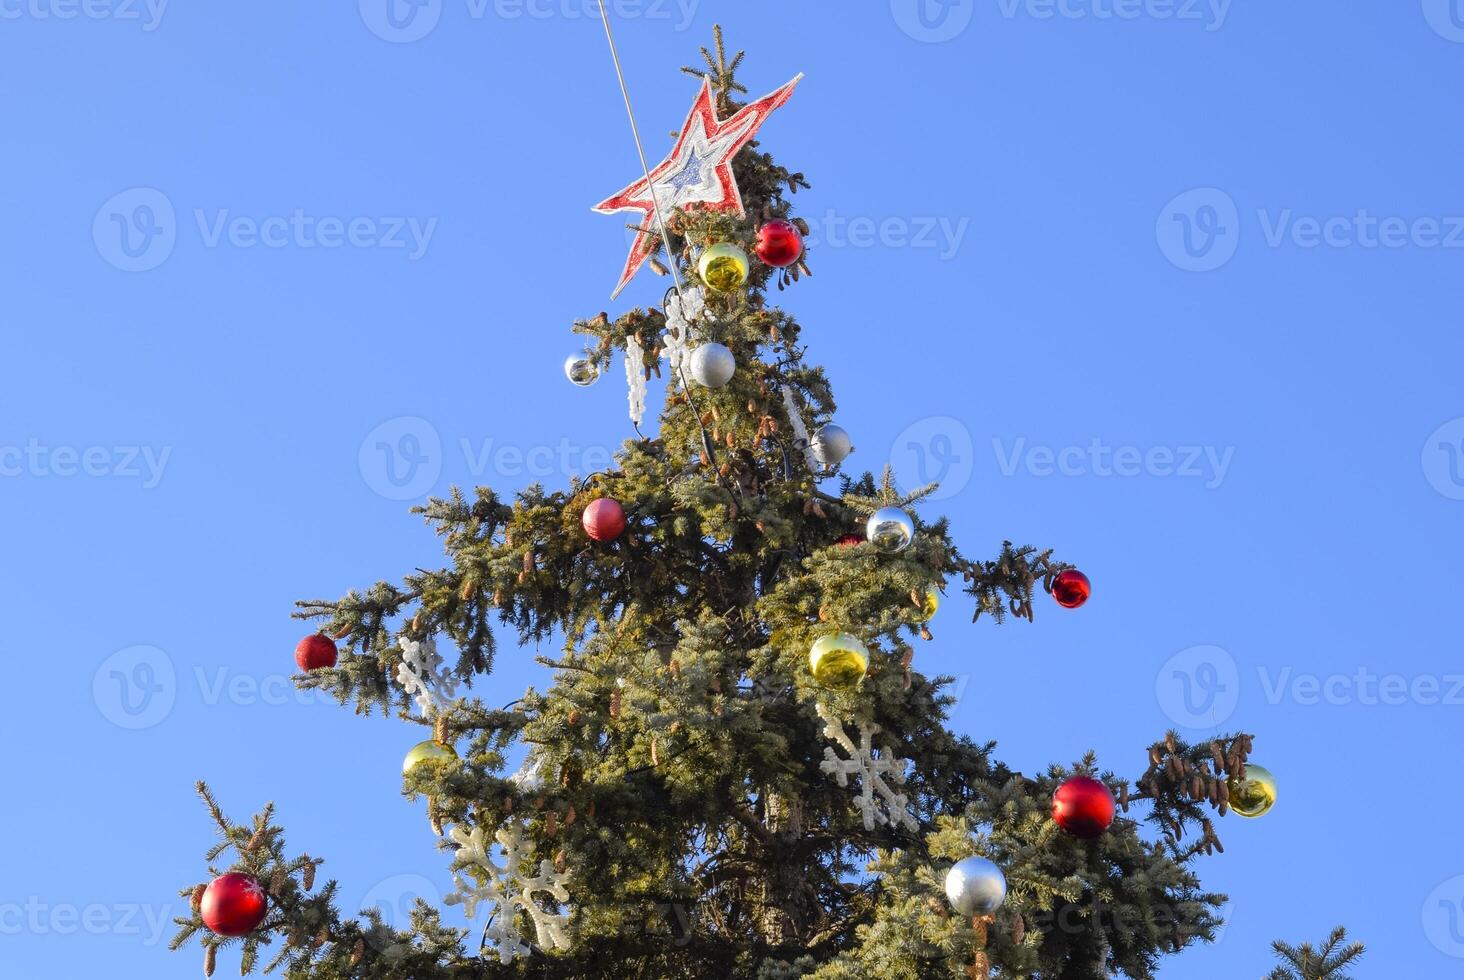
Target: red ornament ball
x=233, y=904
x=315, y=652
x=604, y=520
x=779, y=244
x=850, y=540
x=1071, y=588
x=1083, y=807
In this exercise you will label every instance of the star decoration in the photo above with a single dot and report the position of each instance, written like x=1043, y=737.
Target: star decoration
x=879, y=802
x=697, y=171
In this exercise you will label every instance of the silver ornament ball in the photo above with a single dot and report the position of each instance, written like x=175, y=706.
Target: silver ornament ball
x=890, y=530
x=712, y=365
x=832, y=445
x=581, y=369
x=975, y=886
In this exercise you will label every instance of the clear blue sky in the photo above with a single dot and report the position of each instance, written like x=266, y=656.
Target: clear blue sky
x=1235, y=408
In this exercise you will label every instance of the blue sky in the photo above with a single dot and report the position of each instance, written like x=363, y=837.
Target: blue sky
x=1170, y=286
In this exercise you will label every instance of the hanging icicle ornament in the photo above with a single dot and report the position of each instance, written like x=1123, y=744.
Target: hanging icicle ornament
x=508, y=890
x=879, y=801
x=683, y=308
x=635, y=379
x=420, y=673
x=801, y=441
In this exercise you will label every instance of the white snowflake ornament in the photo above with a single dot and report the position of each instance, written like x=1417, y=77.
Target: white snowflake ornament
x=420, y=673
x=508, y=890
x=875, y=770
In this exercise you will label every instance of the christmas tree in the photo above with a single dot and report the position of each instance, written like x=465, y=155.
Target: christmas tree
x=737, y=769
x=1306, y=962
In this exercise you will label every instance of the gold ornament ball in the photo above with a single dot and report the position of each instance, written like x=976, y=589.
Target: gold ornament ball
x=838, y=660
x=1255, y=794
x=932, y=604
x=723, y=267
x=423, y=751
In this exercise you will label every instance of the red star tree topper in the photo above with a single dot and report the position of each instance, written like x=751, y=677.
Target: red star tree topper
x=697, y=171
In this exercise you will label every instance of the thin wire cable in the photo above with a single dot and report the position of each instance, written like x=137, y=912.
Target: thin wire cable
x=660, y=220
x=641, y=152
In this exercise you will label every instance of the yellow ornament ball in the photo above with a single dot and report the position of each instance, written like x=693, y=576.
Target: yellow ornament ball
x=423, y=751
x=838, y=660
x=1254, y=794
x=723, y=267
x=932, y=604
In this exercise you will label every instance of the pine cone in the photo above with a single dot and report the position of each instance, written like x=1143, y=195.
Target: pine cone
x=309, y=876
x=210, y=958
x=358, y=952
